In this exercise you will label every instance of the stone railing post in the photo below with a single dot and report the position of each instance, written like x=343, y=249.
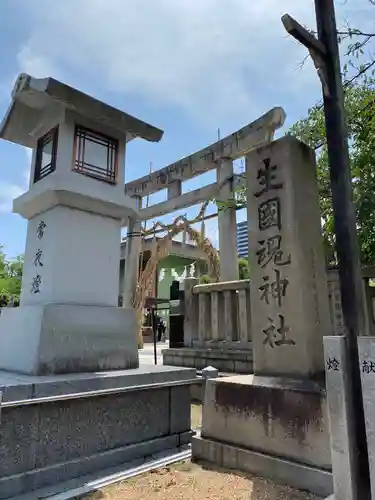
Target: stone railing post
x=190, y=311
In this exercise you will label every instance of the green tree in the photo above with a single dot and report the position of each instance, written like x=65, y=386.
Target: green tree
x=243, y=268
x=243, y=272
x=360, y=109
x=205, y=279
x=10, y=278
x=358, y=70
x=357, y=49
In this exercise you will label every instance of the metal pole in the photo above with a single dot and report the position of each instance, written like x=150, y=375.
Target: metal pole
x=345, y=225
x=153, y=323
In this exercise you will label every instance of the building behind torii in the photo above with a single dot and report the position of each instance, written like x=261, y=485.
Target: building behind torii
x=184, y=260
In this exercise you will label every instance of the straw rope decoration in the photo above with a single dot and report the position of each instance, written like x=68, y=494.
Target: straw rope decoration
x=161, y=249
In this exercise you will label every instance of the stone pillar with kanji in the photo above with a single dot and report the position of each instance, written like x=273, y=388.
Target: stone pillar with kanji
x=275, y=421
x=289, y=298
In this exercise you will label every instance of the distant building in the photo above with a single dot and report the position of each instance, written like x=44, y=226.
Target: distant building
x=183, y=260
x=242, y=239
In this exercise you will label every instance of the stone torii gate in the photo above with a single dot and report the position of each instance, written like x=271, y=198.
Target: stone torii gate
x=218, y=156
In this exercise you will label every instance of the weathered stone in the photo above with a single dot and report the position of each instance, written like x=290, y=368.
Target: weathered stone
x=45, y=442
x=274, y=423
x=317, y=481
x=288, y=290
x=233, y=146
x=225, y=360
x=280, y=417
x=340, y=417
x=68, y=338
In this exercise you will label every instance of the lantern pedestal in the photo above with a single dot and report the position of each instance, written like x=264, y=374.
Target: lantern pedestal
x=68, y=338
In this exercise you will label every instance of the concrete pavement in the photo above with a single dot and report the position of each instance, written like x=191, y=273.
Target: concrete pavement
x=146, y=355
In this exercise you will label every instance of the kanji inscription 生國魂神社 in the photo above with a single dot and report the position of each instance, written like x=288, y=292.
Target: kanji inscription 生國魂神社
x=289, y=310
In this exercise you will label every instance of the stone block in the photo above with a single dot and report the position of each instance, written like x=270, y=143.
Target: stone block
x=53, y=440
x=180, y=402
x=85, y=427
x=123, y=380
x=67, y=338
x=223, y=359
x=82, y=467
x=18, y=434
x=280, y=417
x=340, y=418
x=288, y=290
x=294, y=474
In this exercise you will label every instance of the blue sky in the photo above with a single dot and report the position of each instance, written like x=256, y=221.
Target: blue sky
x=185, y=66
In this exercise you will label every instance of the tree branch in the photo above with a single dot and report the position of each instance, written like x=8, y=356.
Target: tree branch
x=355, y=32
x=361, y=72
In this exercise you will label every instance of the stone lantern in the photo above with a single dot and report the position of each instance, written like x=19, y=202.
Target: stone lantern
x=68, y=319
x=74, y=401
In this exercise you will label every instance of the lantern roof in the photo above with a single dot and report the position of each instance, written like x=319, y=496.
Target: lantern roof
x=32, y=97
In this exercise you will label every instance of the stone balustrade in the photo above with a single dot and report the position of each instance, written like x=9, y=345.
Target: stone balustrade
x=217, y=314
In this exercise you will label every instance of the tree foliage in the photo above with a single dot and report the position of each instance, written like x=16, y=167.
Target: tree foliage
x=10, y=278
x=243, y=272
x=360, y=109
x=205, y=279
x=243, y=268
x=358, y=71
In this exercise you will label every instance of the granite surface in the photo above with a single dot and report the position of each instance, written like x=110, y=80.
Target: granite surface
x=16, y=387
x=49, y=441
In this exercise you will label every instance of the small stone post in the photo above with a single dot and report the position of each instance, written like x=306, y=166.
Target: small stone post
x=288, y=289
x=366, y=352
x=207, y=373
x=190, y=311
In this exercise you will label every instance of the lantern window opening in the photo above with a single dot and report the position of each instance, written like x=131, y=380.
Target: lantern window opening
x=95, y=155
x=46, y=152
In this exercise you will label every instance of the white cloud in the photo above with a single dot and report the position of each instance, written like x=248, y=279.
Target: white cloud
x=11, y=190
x=8, y=192
x=211, y=58
x=217, y=60
x=34, y=64
x=212, y=232
x=26, y=171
